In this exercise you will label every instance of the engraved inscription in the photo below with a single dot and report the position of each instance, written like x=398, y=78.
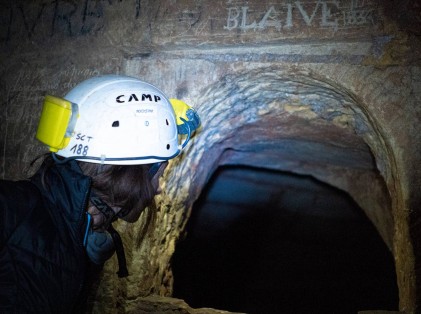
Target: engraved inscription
x=287, y=15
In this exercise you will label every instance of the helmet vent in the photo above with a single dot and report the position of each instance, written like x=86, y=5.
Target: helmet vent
x=116, y=124
x=168, y=146
x=166, y=121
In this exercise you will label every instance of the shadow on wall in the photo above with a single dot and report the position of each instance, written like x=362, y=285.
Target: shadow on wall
x=272, y=242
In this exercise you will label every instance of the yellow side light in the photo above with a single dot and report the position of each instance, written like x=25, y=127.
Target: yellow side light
x=55, y=117
x=180, y=109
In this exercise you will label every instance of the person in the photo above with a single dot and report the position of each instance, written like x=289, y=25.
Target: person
x=110, y=139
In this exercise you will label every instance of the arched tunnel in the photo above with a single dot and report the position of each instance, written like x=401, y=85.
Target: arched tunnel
x=291, y=212
x=261, y=241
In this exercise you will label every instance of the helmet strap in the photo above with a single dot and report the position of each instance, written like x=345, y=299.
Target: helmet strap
x=154, y=169
x=188, y=134
x=119, y=248
x=104, y=208
x=110, y=217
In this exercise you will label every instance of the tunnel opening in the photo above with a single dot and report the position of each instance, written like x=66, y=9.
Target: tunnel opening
x=264, y=241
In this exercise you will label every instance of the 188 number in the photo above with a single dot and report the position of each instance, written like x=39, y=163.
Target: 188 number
x=80, y=149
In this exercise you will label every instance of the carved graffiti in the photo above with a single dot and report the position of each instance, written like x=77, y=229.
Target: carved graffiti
x=324, y=14
x=45, y=18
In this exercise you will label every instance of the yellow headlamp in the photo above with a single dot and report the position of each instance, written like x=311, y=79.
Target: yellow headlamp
x=187, y=118
x=57, y=122
x=180, y=109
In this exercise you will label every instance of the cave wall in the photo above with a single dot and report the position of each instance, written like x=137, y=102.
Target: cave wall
x=324, y=88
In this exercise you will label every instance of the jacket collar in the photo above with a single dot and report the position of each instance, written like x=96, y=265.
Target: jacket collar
x=65, y=190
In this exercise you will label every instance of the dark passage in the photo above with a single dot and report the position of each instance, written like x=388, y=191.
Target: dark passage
x=273, y=242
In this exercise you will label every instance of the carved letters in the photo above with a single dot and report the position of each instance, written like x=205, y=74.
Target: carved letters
x=288, y=14
x=77, y=18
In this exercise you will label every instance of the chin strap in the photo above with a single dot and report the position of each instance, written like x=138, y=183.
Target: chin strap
x=110, y=217
x=119, y=248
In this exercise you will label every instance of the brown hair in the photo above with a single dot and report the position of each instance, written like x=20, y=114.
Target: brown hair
x=127, y=187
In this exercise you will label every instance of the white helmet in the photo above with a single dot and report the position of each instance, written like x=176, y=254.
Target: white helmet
x=113, y=120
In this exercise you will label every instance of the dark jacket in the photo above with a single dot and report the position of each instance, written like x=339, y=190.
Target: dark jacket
x=43, y=264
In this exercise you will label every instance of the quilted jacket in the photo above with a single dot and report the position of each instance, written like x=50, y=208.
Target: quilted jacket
x=43, y=264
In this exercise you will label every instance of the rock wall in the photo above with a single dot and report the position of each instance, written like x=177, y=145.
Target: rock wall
x=325, y=88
